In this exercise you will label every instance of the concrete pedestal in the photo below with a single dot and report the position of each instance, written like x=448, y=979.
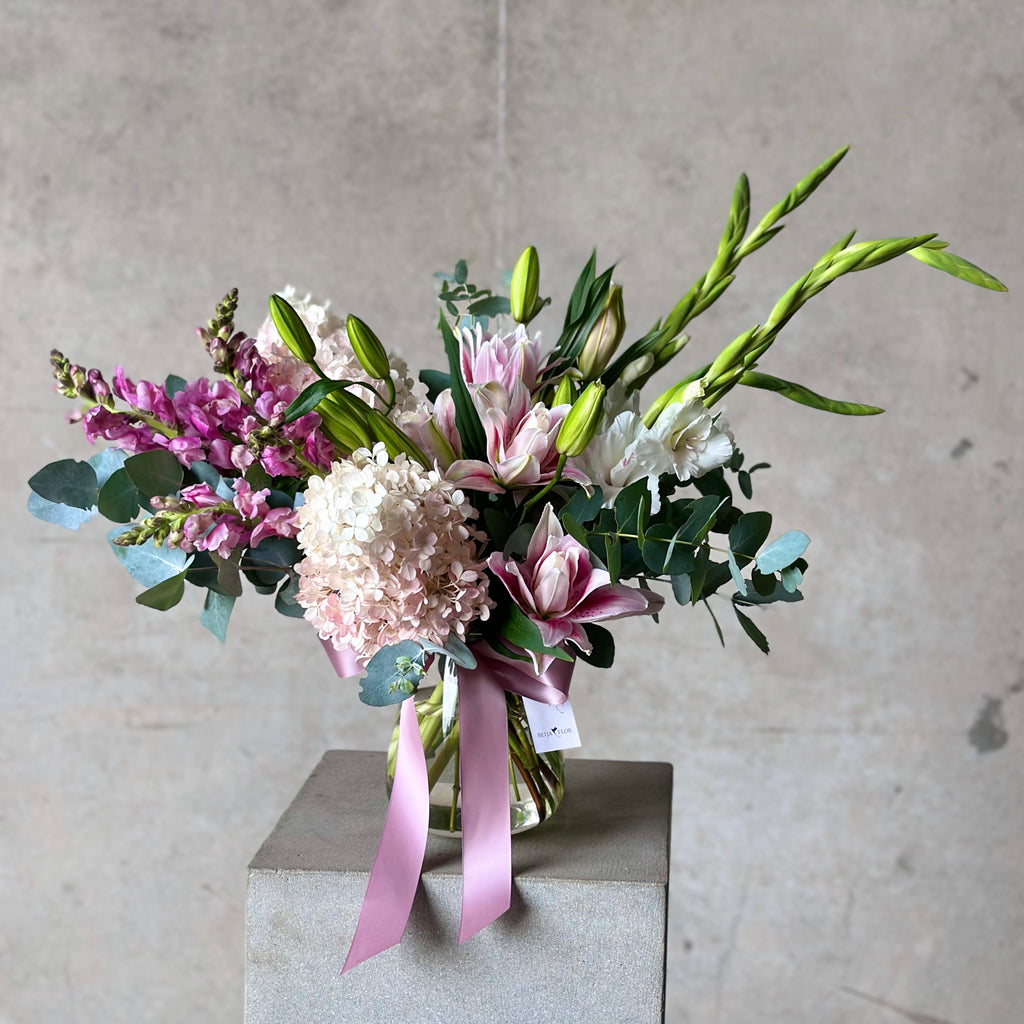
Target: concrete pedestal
x=584, y=941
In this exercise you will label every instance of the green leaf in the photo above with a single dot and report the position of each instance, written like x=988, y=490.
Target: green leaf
x=749, y=533
x=106, y=463
x=760, y=640
x=467, y=421
x=701, y=518
x=519, y=630
x=311, y=397
x=805, y=396
x=206, y=474
x=461, y=272
x=119, y=498
x=662, y=552
x=436, y=382
x=737, y=576
x=393, y=674
x=714, y=619
x=173, y=384
x=792, y=577
x=275, y=553
x=493, y=305
x=67, y=482
x=681, y=588
x=165, y=594
x=147, y=563
x=603, y=653
x=783, y=552
x=154, y=473
x=285, y=602
x=630, y=506
x=613, y=556
x=743, y=479
x=764, y=584
x=216, y=612
x=583, y=507
x=934, y=255
x=229, y=580
x=453, y=648
x=68, y=516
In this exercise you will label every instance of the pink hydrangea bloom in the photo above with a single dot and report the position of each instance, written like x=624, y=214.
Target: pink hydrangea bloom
x=558, y=588
x=389, y=555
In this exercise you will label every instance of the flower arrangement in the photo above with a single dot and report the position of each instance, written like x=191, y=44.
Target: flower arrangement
x=489, y=516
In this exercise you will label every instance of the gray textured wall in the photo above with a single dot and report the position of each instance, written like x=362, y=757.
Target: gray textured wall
x=848, y=831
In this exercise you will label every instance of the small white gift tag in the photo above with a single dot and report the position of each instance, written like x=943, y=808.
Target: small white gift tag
x=553, y=725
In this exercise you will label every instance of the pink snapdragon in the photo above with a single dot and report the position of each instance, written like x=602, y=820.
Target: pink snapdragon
x=558, y=588
x=243, y=522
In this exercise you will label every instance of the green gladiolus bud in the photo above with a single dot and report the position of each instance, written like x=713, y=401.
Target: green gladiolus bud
x=368, y=349
x=292, y=330
x=564, y=393
x=604, y=336
x=582, y=421
x=637, y=369
x=525, y=286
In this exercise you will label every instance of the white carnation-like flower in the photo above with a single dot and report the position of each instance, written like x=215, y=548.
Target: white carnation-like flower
x=389, y=555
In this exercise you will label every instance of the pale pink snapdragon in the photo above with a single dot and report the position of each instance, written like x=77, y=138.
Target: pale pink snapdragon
x=223, y=527
x=558, y=588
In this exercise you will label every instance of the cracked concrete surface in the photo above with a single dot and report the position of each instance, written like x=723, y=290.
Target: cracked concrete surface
x=858, y=792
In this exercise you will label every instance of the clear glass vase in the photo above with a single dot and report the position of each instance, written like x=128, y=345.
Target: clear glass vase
x=536, y=782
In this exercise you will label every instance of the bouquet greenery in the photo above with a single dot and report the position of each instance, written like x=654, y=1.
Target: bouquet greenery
x=501, y=508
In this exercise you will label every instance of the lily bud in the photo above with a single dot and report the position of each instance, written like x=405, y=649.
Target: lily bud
x=604, y=336
x=292, y=330
x=564, y=393
x=395, y=440
x=582, y=421
x=525, y=286
x=345, y=418
x=368, y=349
x=638, y=368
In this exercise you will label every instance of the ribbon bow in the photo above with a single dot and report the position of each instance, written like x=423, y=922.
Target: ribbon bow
x=486, y=833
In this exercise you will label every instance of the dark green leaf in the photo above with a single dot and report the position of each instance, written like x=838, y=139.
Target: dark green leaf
x=494, y=305
x=613, y=556
x=229, y=581
x=701, y=518
x=285, y=601
x=275, y=553
x=662, y=552
x=743, y=479
x=119, y=498
x=749, y=533
x=154, y=473
x=681, y=589
x=573, y=528
x=461, y=272
x=311, y=397
x=714, y=619
x=467, y=422
x=783, y=552
x=717, y=575
x=584, y=507
x=630, y=504
x=603, y=653
x=760, y=640
x=165, y=594
x=174, y=384
x=436, y=382
x=519, y=630
x=67, y=482
x=216, y=612
x=764, y=584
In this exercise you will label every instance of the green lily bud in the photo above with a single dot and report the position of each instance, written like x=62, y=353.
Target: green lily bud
x=604, y=336
x=565, y=394
x=395, y=440
x=582, y=421
x=638, y=368
x=345, y=418
x=525, y=286
x=292, y=330
x=368, y=349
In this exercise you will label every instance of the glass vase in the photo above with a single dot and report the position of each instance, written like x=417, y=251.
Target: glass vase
x=536, y=782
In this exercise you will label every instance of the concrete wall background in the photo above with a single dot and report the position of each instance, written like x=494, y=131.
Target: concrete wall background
x=848, y=828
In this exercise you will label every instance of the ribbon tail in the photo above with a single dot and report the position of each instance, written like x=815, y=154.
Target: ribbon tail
x=486, y=837
x=396, y=868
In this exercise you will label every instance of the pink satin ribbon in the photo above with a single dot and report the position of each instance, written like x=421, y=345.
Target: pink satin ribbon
x=486, y=835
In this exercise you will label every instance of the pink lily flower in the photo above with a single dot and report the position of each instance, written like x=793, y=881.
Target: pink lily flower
x=558, y=588
x=505, y=359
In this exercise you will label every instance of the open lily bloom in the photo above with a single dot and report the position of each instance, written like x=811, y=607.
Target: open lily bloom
x=559, y=589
